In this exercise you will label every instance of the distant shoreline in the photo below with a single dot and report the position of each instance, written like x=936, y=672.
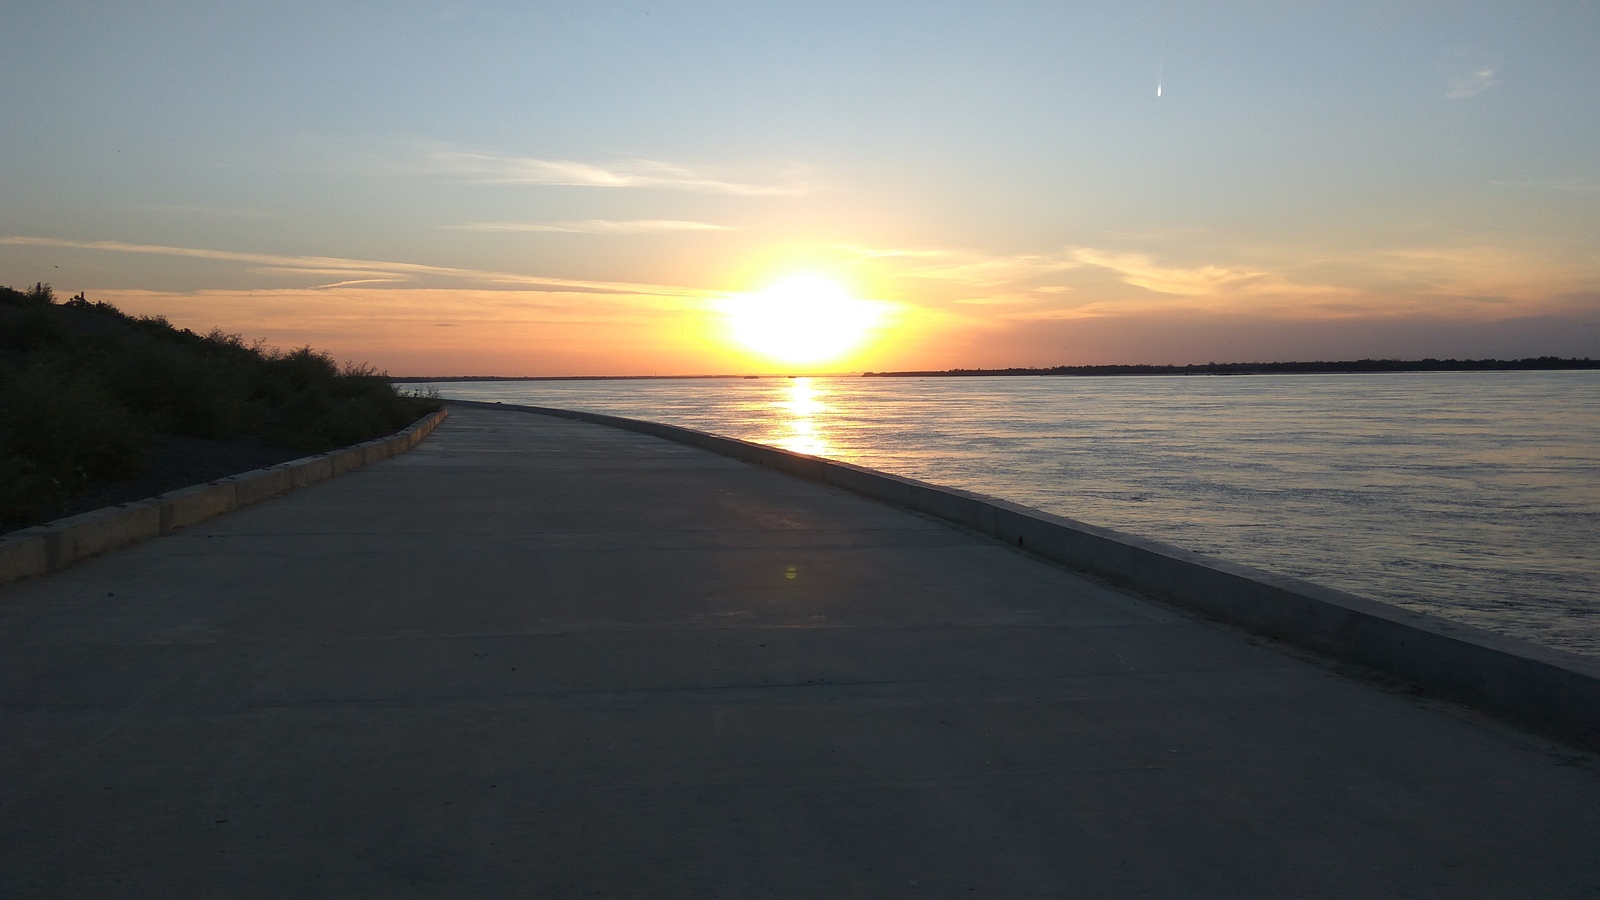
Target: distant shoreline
x=1359, y=366
x=1354, y=367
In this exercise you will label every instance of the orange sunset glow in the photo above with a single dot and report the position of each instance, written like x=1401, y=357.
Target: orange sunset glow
x=633, y=191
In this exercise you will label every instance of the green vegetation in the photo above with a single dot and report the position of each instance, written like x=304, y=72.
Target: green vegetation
x=82, y=386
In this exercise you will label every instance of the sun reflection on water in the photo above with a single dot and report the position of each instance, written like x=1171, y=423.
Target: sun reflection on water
x=801, y=411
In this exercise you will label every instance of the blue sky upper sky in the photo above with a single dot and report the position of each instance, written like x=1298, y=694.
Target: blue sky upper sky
x=545, y=188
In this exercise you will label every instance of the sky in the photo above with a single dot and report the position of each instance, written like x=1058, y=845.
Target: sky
x=691, y=188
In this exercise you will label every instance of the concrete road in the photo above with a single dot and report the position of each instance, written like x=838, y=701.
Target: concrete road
x=534, y=657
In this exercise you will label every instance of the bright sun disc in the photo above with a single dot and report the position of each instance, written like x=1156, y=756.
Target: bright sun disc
x=801, y=319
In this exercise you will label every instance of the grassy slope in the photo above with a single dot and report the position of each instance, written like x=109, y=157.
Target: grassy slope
x=83, y=388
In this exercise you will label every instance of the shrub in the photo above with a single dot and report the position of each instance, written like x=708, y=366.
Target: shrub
x=58, y=431
x=82, y=385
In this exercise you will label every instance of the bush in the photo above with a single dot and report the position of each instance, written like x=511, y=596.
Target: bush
x=82, y=386
x=59, y=431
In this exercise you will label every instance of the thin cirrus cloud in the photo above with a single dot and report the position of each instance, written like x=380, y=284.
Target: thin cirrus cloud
x=1033, y=281
x=1472, y=279
x=315, y=270
x=355, y=281
x=207, y=211
x=596, y=226
x=1140, y=270
x=371, y=270
x=488, y=167
x=1471, y=84
x=960, y=267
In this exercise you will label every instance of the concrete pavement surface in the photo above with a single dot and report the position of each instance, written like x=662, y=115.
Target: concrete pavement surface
x=535, y=657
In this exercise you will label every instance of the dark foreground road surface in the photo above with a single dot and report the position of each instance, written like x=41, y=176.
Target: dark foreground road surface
x=534, y=657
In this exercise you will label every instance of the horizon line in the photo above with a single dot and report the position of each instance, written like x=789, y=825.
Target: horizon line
x=1292, y=367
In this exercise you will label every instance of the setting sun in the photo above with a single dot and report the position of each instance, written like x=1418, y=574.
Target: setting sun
x=802, y=319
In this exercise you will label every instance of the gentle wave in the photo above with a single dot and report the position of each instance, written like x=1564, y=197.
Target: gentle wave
x=1474, y=496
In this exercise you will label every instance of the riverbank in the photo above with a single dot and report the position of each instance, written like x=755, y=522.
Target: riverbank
x=542, y=656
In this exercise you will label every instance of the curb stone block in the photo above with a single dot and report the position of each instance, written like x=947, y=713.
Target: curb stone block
x=185, y=507
x=59, y=544
x=346, y=460
x=310, y=470
x=95, y=532
x=255, y=486
x=22, y=553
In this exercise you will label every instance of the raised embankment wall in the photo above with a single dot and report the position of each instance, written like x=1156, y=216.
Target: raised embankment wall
x=57, y=545
x=1544, y=690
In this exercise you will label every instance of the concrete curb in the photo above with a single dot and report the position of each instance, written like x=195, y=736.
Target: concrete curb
x=1538, y=688
x=59, y=544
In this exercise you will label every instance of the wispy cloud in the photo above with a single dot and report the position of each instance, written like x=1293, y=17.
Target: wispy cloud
x=861, y=253
x=993, y=301
x=1080, y=282
x=1024, y=271
x=596, y=226
x=207, y=211
x=297, y=270
x=490, y=167
x=353, y=281
x=1482, y=275
x=995, y=271
x=372, y=269
x=964, y=267
x=1142, y=271
x=463, y=164
x=1471, y=84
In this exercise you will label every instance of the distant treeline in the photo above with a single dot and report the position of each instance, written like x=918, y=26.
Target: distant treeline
x=1532, y=363
x=83, y=387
